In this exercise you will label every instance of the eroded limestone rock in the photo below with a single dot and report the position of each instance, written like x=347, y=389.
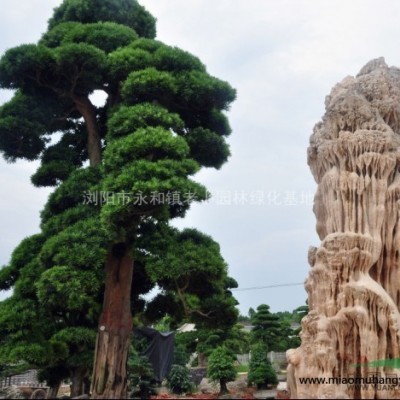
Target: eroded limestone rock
x=354, y=281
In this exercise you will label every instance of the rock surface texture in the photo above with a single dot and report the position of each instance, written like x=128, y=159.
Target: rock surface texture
x=354, y=283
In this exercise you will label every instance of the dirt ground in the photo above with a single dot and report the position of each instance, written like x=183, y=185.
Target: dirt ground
x=209, y=390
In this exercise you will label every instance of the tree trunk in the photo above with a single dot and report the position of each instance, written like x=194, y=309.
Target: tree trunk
x=202, y=360
x=114, y=335
x=53, y=391
x=86, y=386
x=223, y=387
x=77, y=377
x=88, y=111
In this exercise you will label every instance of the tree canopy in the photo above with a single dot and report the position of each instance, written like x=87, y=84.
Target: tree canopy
x=117, y=170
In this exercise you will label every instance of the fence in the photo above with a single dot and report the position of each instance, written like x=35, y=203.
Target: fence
x=243, y=359
x=28, y=378
x=276, y=357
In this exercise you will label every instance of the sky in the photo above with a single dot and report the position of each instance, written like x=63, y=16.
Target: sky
x=283, y=57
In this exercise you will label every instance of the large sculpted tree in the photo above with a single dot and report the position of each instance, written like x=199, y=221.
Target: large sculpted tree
x=162, y=121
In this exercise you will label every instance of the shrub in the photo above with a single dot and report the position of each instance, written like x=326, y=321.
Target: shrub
x=221, y=367
x=261, y=372
x=141, y=381
x=181, y=357
x=178, y=380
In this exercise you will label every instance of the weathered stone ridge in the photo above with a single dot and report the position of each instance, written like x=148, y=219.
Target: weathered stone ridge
x=354, y=282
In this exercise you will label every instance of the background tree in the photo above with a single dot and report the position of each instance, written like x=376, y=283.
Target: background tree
x=261, y=372
x=163, y=119
x=238, y=340
x=267, y=328
x=69, y=300
x=61, y=304
x=179, y=381
x=205, y=340
x=187, y=265
x=251, y=312
x=243, y=319
x=141, y=380
x=300, y=312
x=221, y=367
x=288, y=337
x=193, y=277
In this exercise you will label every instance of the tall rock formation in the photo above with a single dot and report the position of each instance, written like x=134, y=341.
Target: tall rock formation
x=353, y=327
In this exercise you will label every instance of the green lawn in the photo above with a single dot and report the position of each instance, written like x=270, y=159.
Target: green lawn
x=242, y=368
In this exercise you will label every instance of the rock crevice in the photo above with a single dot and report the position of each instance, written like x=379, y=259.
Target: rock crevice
x=354, y=283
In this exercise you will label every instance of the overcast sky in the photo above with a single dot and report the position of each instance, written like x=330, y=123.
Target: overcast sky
x=283, y=57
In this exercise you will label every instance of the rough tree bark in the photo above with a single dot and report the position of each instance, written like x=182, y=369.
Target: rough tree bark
x=77, y=378
x=53, y=391
x=223, y=387
x=88, y=111
x=109, y=379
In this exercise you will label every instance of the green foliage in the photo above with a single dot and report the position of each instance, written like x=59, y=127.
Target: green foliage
x=267, y=327
x=164, y=325
x=276, y=330
x=209, y=340
x=148, y=180
x=146, y=44
x=204, y=92
x=187, y=342
x=79, y=342
x=68, y=218
x=261, y=372
x=208, y=148
x=66, y=287
x=141, y=382
x=176, y=60
x=288, y=337
x=130, y=119
x=82, y=245
x=21, y=256
x=107, y=36
x=75, y=335
x=221, y=366
x=124, y=12
x=189, y=255
x=58, y=161
x=70, y=193
x=206, y=339
x=238, y=340
x=148, y=85
x=152, y=143
x=181, y=356
x=125, y=60
x=73, y=67
x=162, y=121
x=244, y=319
x=178, y=380
x=23, y=126
x=52, y=173
x=32, y=353
x=8, y=277
x=23, y=64
x=300, y=312
x=284, y=316
x=189, y=268
x=84, y=66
